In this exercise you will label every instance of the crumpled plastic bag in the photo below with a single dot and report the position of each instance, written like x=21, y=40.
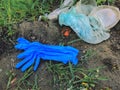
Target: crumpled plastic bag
x=87, y=28
x=35, y=51
x=108, y=16
x=67, y=4
x=90, y=26
x=64, y=7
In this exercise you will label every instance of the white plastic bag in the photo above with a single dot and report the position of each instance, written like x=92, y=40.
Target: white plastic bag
x=87, y=28
x=64, y=7
x=91, y=23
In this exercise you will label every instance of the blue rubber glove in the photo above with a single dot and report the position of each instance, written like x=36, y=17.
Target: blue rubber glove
x=34, y=51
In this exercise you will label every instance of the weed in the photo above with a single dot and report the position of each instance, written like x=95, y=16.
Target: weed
x=100, y=2
x=10, y=75
x=22, y=83
x=74, y=41
x=69, y=77
x=87, y=55
x=14, y=11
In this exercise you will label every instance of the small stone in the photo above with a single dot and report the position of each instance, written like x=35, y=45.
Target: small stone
x=0, y=70
x=12, y=60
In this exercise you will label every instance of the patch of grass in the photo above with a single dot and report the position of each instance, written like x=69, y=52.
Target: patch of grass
x=12, y=11
x=74, y=77
x=100, y=2
x=15, y=11
x=74, y=41
x=87, y=55
x=22, y=83
x=69, y=77
x=10, y=75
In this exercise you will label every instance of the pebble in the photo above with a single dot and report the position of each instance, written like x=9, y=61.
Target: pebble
x=13, y=60
x=0, y=70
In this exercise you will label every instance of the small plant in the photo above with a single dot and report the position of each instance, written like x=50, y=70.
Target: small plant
x=100, y=2
x=69, y=77
x=10, y=75
x=73, y=78
x=22, y=83
x=87, y=55
x=14, y=11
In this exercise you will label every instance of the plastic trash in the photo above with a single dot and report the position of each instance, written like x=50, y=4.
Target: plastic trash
x=87, y=28
x=54, y=15
x=34, y=51
x=64, y=7
x=67, y=4
x=92, y=23
x=85, y=6
x=107, y=15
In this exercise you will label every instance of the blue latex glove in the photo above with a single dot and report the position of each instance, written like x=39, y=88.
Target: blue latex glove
x=34, y=51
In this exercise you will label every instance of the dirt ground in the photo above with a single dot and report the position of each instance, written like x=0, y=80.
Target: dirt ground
x=107, y=53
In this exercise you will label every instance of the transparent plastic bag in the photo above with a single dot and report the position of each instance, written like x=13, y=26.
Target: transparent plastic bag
x=64, y=7
x=86, y=27
x=109, y=16
x=91, y=23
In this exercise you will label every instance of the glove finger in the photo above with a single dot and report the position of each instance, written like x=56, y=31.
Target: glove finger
x=28, y=64
x=21, y=46
x=60, y=58
x=25, y=53
x=37, y=62
x=18, y=65
x=74, y=61
x=22, y=40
